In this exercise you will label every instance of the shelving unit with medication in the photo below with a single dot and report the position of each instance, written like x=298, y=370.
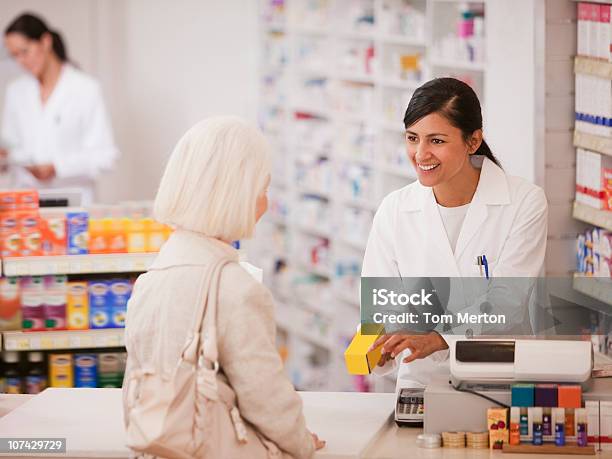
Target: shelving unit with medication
x=593, y=142
x=336, y=77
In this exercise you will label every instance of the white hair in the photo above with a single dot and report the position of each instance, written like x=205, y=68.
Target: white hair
x=213, y=178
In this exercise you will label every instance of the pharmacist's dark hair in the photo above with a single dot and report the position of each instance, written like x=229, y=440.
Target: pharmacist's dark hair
x=33, y=27
x=453, y=99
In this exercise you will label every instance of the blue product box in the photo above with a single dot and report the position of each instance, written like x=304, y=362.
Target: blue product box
x=119, y=293
x=77, y=233
x=523, y=395
x=85, y=370
x=100, y=310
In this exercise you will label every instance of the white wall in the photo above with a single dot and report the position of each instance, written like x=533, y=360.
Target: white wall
x=163, y=66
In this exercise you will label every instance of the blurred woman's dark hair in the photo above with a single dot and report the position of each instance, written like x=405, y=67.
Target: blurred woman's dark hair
x=456, y=101
x=33, y=27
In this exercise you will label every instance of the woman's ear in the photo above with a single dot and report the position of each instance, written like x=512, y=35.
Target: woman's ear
x=475, y=141
x=46, y=41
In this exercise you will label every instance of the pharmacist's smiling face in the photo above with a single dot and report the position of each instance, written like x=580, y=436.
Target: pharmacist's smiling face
x=436, y=150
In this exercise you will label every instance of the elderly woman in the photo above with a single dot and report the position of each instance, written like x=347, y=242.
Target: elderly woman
x=196, y=385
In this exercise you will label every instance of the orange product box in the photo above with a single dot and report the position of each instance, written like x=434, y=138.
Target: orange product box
x=156, y=236
x=8, y=200
x=570, y=396
x=116, y=234
x=10, y=236
x=53, y=233
x=497, y=422
x=29, y=228
x=137, y=235
x=98, y=242
x=27, y=199
x=10, y=304
x=607, y=188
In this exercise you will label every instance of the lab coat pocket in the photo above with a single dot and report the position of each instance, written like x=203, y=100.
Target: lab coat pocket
x=479, y=271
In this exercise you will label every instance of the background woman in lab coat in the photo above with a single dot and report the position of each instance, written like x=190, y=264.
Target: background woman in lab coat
x=462, y=206
x=55, y=125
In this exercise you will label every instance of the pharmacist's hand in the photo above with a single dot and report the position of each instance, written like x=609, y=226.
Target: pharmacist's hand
x=42, y=172
x=420, y=346
x=319, y=444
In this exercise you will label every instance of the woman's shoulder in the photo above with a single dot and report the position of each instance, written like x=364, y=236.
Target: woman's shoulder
x=407, y=194
x=239, y=287
x=82, y=82
x=523, y=191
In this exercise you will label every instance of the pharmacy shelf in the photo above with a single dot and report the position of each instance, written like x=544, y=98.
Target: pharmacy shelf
x=407, y=85
x=318, y=112
x=401, y=40
x=592, y=142
x=301, y=30
x=393, y=127
x=595, y=67
x=65, y=339
x=78, y=264
x=347, y=298
x=594, y=287
x=355, y=244
x=399, y=170
x=320, y=271
x=314, y=230
x=359, y=203
x=600, y=218
x=313, y=192
x=351, y=35
x=354, y=77
x=272, y=27
x=603, y=2
x=314, y=35
x=453, y=64
x=276, y=220
x=288, y=325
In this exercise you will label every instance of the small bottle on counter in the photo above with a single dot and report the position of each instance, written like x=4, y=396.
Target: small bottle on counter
x=570, y=430
x=558, y=416
x=537, y=426
x=547, y=428
x=581, y=427
x=515, y=426
x=524, y=422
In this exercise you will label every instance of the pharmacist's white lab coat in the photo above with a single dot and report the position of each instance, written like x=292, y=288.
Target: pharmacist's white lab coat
x=71, y=131
x=506, y=221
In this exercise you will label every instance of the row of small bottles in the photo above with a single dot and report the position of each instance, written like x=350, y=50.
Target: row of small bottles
x=557, y=422
x=16, y=378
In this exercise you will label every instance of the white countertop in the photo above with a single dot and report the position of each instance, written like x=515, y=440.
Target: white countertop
x=355, y=425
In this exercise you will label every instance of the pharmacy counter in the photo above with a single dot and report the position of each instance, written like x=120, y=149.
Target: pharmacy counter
x=355, y=425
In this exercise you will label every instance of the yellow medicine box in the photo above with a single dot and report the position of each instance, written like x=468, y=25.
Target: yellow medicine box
x=60, y=370
x=358, y=360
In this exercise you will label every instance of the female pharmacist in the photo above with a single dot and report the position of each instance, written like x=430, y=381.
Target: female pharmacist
x=55, y=127
x=462, y=206
x=213, y=192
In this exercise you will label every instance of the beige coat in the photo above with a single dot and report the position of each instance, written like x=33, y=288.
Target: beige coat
x=159, y=319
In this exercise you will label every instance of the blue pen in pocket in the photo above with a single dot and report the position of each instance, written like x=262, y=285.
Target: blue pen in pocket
x=486, y=266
